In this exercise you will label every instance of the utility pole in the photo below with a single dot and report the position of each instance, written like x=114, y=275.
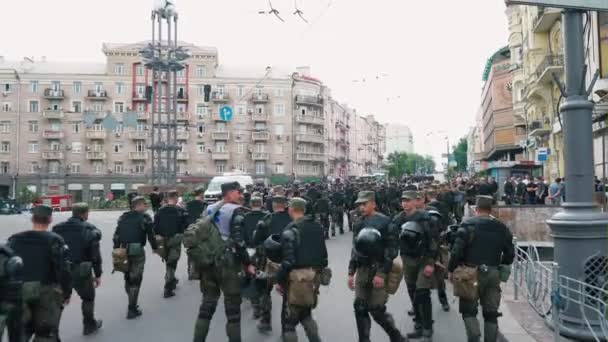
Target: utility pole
x=165, y=59
x=579, y=232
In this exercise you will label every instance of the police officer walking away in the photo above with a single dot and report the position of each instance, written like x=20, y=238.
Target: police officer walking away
x=47, y=283
x=156, y=199
x=82, y=239
x=170, y=222
x=11, y=283
x=134, y=227
x=304, y=252
x=223, y=275
x=272, y=224
x=250, y=224
x=195, y=209
x=374, y=248
x=484, y=244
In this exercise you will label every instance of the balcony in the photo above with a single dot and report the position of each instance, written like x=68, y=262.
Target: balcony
x=260, y=98
x=220, y=135
x=308, y=100
x=183, y=116
x=220, y=155
x=220, y=97
x=143, y=116
x=181, y=98
x=50, y=134
x=52, y=114
x=138, y=135
x=260, y=136
x=96, y=155
x=310, y=138
x=183, y=156
x=52, y=155
x=183, y=135
x=95, y=135
x=95, y=95
x=549, y=65
x=137, y=97
x=315, y=157
x=309, y=119
x=538, y=129
x=259, y=117
x=545, y=19
x=260, y=156
x=138, y=155
x=54, y=94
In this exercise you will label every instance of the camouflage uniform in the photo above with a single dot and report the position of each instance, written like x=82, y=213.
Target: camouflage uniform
x=11, y=284
x=170, y=222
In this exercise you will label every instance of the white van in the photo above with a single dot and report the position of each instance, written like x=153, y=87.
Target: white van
x=214, y=189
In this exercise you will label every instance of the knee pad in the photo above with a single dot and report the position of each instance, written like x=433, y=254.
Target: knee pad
x=207, y=309
x=491, y=316
x=360, y=306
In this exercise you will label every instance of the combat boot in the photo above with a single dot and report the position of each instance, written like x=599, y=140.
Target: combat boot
x=169, y=293
x=133, y=312
x=417, y=333
x=91, y=328
x=264, y=327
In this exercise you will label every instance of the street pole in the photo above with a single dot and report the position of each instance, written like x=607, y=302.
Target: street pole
x=579, y=231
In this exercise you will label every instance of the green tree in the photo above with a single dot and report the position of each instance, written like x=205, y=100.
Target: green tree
x=25, y=196
x=460, y=154
x=401, y=163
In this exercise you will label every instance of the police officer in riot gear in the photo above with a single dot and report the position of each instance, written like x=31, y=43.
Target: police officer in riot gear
x=303, y=247
x=132, y=230
x=195, y=209
x=371, y=269
x=170, y=222
x=223, y=276
x=322, y=211
x=83, y=238
x=486, y=244
x=439, y=221
x=337, y=204
x=419, y=254
x=11, y=283
x=47, y=280
x=250, y=224
x=272, y=224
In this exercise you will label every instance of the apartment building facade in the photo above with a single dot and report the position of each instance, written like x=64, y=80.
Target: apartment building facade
x=54, y=136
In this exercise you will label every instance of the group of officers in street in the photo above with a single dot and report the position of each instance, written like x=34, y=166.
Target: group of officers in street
x=260, y=247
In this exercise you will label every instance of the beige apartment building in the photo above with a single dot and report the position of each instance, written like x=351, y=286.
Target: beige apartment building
x=285, y=124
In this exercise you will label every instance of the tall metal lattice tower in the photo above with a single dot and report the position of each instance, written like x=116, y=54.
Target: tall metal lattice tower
x=164, y=58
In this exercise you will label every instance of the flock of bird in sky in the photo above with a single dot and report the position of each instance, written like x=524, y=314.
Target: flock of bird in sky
x=276, y=13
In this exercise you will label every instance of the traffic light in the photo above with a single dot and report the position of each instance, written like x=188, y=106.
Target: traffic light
x=207, y=90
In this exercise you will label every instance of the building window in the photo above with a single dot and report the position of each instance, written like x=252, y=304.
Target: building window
x=200, y=148
x=279, y=109
x=279, y=169
x=7, y=107
x=76, y=147
x=77, y=106
x=260, y=168
x=240, y=91
x=117, y=148
x=32, y=126
x=75, y=168
x=7, y=87
x=201, y=111
x=4, y=167
x=55, y=126
x=119, y=69
x=119, y=88
x=201, y=71
x=220, y=147
x=76, y=87
x=5, y=147
x=139, y=70
x=141, y=108
x=140, y=90
x=259, y=109
x=98, y=107
x=181, y=73
x=76, y=126
x=98, y=167
x=118, y=167
x=5, y=127
x=33, y=147
x=34, y=107
x=241, y=109
x=34, y=86
x=140, y=168
x=119, y=107
x=220, y=167
x=220, y=127
x=55, y=146
x=603, y=39
x=279, y=92
x=33, y=167
x=98, y=87
x=240, y=148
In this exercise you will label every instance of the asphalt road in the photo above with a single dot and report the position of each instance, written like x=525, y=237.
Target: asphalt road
x=169, y=320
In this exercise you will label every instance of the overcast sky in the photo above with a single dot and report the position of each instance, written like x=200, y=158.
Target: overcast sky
x=429, y=54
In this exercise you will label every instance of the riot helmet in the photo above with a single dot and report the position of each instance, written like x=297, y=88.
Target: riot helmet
x=272, y=245
x=368, y=244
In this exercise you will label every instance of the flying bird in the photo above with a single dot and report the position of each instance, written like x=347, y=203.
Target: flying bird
x=272, y=11
x=298, y=12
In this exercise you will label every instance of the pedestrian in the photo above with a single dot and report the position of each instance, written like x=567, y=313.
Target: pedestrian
x=483, y=246
x=83, y=239
x=555, y=195
x=374, y=249
x=509, y=190
x=521, y=191
x=541, y=191
x=337, y=200
x=304, y=258
x=563, y=189
x=170, y=222
x=222, y=275
x=322, y=211
x=156, y=199
x=250, y=224
x=47, y=286
x=531, y=188
x=195, y=209
x=11, y=280
x=132, y=230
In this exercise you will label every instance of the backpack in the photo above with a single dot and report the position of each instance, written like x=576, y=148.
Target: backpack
x=203, y=241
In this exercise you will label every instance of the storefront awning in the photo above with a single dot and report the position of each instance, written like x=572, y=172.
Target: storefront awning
x=96, y=187
x=74, y=186
x=117, y=186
